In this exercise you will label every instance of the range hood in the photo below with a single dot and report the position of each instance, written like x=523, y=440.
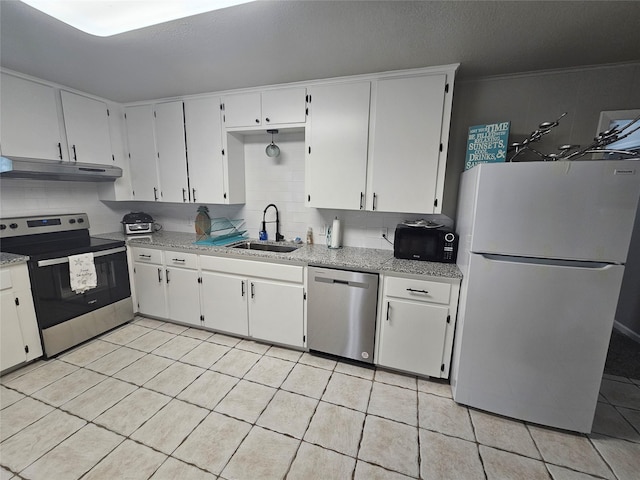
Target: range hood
x=15, y=167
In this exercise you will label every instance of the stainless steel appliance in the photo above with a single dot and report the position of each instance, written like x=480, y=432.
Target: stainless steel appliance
x=65, y=171
x=136, y=223
x=66, y=318
x=427, y=244
x=341, y=312
x=543, y=248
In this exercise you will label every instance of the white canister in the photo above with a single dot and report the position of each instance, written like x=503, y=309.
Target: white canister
x=334, y=236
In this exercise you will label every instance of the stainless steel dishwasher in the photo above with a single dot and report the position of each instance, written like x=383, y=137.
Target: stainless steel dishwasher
x=341, y=312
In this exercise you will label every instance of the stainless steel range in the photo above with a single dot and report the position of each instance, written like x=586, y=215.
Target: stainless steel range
x=66, y=316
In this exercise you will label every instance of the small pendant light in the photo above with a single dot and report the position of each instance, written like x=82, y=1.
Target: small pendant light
x=272, y=149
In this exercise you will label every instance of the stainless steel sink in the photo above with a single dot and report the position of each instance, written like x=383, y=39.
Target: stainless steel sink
x=265, y=247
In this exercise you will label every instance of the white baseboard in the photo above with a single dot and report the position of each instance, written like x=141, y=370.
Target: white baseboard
x=626, y=331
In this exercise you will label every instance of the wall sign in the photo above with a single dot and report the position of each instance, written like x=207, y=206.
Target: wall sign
x=487, y=144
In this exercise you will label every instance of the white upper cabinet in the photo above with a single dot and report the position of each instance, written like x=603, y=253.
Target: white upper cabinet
x=204, y=144
x=284, y=105
x=86, y=122
x=242, y=110
x=337, y=140
x=30, y=126
x=142, y=152
x=172, y=153
x=157, y=152
x=405, y=155
x=272, y=107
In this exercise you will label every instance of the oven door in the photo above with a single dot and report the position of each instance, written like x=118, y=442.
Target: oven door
x=53, y=298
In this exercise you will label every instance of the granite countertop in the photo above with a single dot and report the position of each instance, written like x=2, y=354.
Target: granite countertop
x=12, y=258
x=366, y=259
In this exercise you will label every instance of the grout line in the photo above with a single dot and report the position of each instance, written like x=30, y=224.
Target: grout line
x=254, y=424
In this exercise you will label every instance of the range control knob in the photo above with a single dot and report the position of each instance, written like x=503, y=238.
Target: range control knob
x=3, y=226
x=13, y=226
x=449, y=237
x=72, y=220
x=81, y=220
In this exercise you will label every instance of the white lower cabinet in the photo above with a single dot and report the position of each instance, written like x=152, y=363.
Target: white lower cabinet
x=224, y=302
x=262, y=300
x=276, y=312
x=167, y=284
x=416, y=325
x=149, y=282
x=182, y=279
x=20, y=339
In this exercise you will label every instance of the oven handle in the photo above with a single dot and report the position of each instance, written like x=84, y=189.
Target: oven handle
x=58, y=261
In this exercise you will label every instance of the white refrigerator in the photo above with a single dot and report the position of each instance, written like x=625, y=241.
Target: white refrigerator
x=542, y=250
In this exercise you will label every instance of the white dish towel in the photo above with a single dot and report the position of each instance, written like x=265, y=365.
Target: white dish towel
x=82, y=272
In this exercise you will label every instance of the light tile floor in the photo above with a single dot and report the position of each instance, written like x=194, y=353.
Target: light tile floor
x=162, y=401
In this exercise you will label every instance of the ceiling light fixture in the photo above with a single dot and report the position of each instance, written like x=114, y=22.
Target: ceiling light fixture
x=104, y=18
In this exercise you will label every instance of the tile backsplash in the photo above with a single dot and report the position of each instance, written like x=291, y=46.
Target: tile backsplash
x=22, y=197
x=281, y=181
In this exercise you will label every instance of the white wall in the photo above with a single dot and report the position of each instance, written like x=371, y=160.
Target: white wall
x=21, y=197
x=530, y=99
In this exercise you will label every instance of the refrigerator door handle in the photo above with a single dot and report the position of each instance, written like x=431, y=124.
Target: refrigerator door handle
x=547, y=261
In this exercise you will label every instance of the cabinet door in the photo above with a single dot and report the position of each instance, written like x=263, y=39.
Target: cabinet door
x=276, y=312
x=87, y=124
x=224, y=302
x=172, y=152
x=150, y=289
x=142, y=152
x=337, y=146
x=12, y=346
x=29, y=113
x=183, y=295
x=406, y=144
x=286, y=105
x=412, y=337
x=204, y=143
x=242, y=110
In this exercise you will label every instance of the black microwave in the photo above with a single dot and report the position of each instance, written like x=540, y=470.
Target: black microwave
x=427, y=244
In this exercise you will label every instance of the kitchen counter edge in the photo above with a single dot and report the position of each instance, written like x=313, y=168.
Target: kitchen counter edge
x=7, y=259
x=367, y=259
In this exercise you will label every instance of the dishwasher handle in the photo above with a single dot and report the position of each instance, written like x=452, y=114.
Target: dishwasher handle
x=341, y=282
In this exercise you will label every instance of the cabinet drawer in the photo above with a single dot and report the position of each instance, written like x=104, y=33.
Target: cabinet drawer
x=274, y=271
x=147, y=255
x=179, y=259
x=421, y=290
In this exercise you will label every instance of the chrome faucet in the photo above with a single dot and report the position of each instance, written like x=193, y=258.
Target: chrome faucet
x=279, y=237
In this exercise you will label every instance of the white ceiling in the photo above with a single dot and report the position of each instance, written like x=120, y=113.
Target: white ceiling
x=269, y=42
